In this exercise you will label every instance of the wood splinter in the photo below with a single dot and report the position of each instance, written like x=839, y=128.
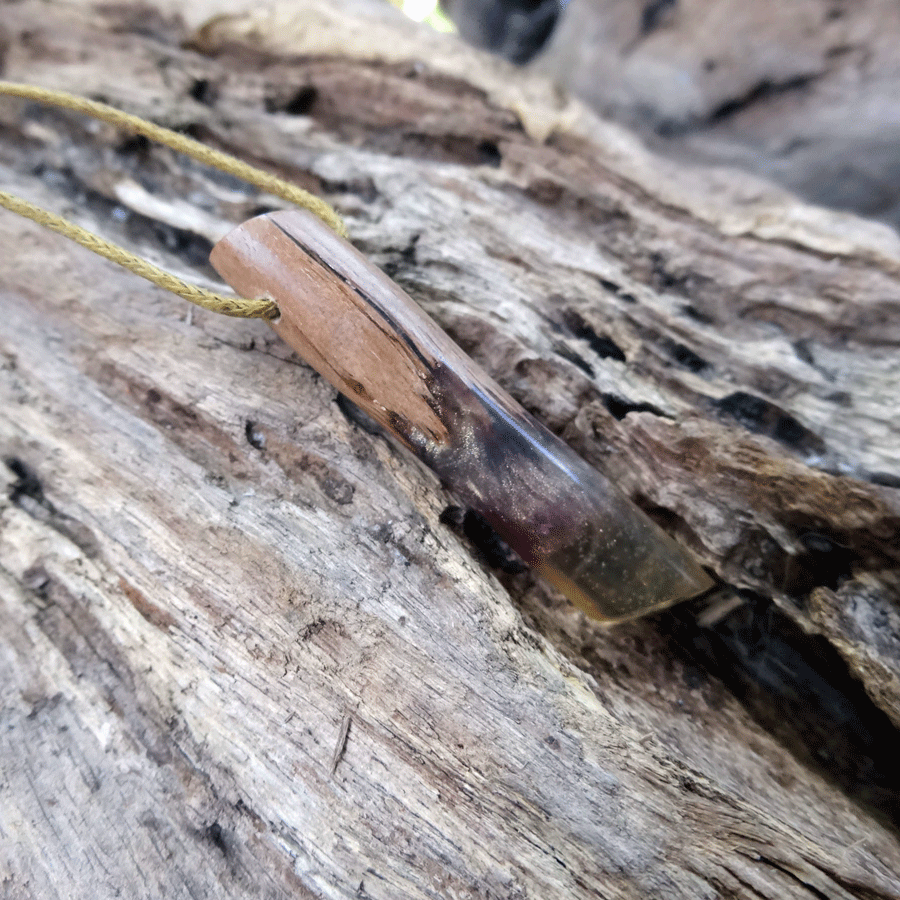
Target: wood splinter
x=370, y=339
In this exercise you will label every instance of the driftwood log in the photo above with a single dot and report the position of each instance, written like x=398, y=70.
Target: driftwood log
x=247, y=649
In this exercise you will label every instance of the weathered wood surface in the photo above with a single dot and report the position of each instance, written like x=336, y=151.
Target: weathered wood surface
x=241, y=655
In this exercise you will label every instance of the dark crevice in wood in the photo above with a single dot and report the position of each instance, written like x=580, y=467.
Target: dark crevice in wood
x=885, y=479
x=747, y=890
x=686, y=358
x=814, y=891
x=664, y=278
x=800, y=690
x=858, y=892
x=256, y=437
x=605, y=347
x=203, y=91
x=489, y=153
x=357, y=416
x=188, y=246
x=215, y=834
x=363, y=188
x=405, y=259
x=135, y=145
x=569, y=354
x=491, y=548
x=697, y=315
x=618, y=407
x=761, y=92
x=360, y=102
x=760, y=416
x=827, y=559
x=27, y=492
x=830, y=556
x=462, y=149
x=302, y=103
x=608, y=285
x=654, y=14
x=826, y=563
x=27, y=483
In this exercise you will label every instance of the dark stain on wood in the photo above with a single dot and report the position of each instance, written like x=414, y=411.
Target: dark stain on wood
x=152, y=612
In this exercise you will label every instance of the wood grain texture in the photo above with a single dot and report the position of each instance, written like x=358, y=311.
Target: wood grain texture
x=242, y=657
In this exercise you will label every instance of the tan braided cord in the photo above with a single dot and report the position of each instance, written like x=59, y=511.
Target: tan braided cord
x=227, y=306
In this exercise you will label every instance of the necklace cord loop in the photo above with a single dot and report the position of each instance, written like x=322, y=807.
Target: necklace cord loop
x=264, y=181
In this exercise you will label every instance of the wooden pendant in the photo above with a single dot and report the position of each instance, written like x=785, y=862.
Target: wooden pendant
x=371, y=340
